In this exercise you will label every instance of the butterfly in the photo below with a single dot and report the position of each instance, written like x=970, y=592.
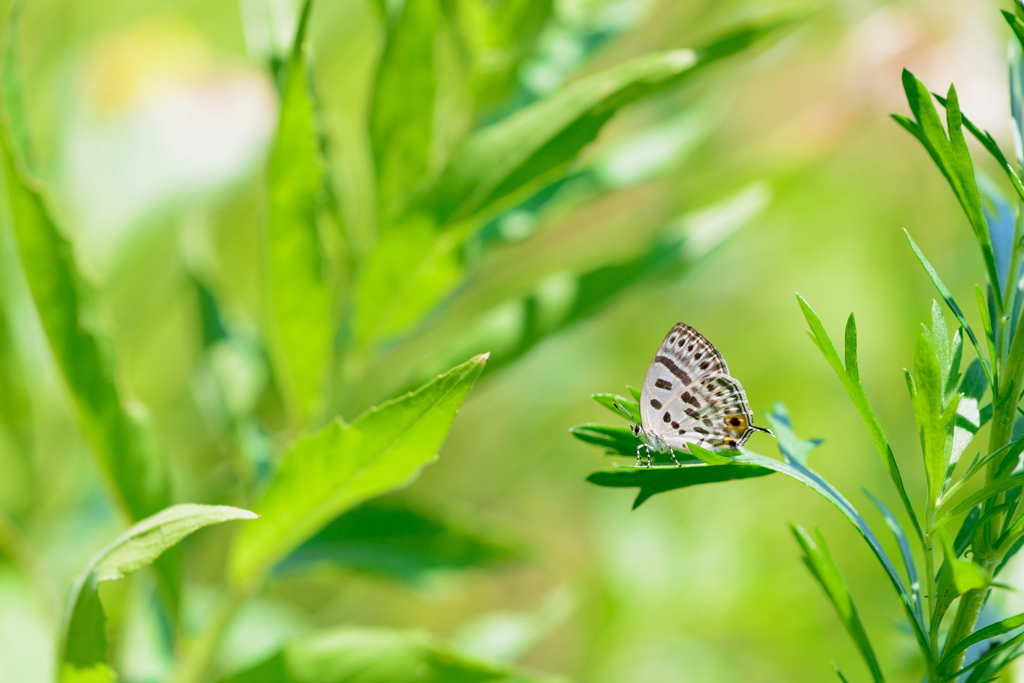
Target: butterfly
x=689, y=397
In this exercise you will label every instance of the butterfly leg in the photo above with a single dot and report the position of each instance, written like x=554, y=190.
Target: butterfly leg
x=648, y=456
x=638, y=455
x=672, y=452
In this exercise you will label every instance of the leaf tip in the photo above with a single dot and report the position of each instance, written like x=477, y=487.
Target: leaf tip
x=482, y=358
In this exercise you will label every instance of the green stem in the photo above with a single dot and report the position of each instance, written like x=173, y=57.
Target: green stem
x=929, y=572
x=198, y=654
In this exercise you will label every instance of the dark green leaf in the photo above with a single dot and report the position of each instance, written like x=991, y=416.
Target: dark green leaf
x=82, y=651
x=905, y=551
x=657, y=480
x=392, y=538
x=351, y=655
x=823, y=567
x=325, y=473
x=299, y=279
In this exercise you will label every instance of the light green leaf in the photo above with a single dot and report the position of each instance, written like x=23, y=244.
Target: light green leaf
x=14, y=90
x=966, y=575
x=299, y=285
x=123, y=447
x=365, y=655
x=823, y=567
x=792, y=446
x=934, y=419
x=609, y=401
x=984, y=493
x=402, y=111
x=82, y=651
x=850, y=378
x=325, y=473
x=708, y=457
x=541, y=139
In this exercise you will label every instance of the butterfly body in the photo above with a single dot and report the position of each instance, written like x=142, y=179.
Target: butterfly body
x=688, y=397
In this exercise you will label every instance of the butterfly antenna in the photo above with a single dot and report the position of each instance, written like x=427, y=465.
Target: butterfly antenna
x=763, y=429
x=619, y=407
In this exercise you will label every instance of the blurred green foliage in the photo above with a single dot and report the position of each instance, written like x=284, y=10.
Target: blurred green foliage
x=157, y=131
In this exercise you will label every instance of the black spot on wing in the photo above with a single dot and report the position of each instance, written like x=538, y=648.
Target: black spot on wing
x=663, y=384
x=655, y=403
x=673, y=368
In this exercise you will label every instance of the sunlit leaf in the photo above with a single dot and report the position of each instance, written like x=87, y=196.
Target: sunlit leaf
x=299, y=286
x=325, y=473
x=934, y=418
x=82, y=651
x=819, y=560
x=352, y=655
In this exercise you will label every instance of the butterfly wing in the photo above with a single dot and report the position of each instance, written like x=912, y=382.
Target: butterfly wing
x=689, y=397
x=684, y=358
x=713, y=412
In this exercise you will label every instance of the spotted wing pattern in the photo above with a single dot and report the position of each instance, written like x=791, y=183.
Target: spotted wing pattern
x=689, y=397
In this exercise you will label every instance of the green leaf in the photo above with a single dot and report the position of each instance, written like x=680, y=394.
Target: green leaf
x=952, y=157
x=708, y=457
x=16, y=416
x=934, y=419
x=823, y=567
x=849, y=376
x=791, y=446
x=984, y=493
x=299, y=285
x=391, y=538
x=968, y=414
x=325, y=473
x=542, y=138
x=908, y=555
x=951, y=303
x=82, y=651
x=14, y=90
x=123, y=447
x=966, y=575
x=402, y=110
x=365, y=655
x=609, y=401
x=989, y=143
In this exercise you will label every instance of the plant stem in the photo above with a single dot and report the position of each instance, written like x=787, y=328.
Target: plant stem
x=929, y=572
x=198, y=654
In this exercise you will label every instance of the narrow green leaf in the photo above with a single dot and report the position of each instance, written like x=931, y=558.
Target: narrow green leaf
x=365, y=655
x=905, y=551
x=823, y=567
x=860, y=400
x=708, y=457
x=392, y=538
x=953, y=159
x=984, y=493
x=123, y=447
x=934, y=420
x=791, y=446
x=299, y=286
x=1010, y=645
x=968, y=414
x=325, y=473
x=966, y=575
x=951, y=303
x=16, y=417
x=14, y=90
x=542, y=138
x=402, y=110
x=82, y=651
x=609, y=401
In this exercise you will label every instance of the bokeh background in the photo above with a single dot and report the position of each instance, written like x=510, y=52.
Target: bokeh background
x=151, y=122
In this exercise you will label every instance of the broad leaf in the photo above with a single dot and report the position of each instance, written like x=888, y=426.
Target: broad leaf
x=656, y=480
x=351, y=655
x=819, y=560
x=82, y=651
x=935, y=419
x=402, y=111
x=299, y=280
x=542, y=138
x=325, y=473
x=123, y=447
x=391, y=538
